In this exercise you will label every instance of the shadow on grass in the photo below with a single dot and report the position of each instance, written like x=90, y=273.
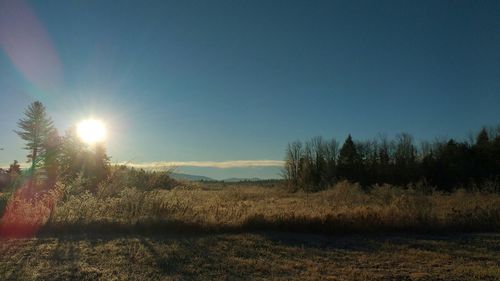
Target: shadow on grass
x=330, y=225
x=166, y=264
x=191, y=256
x=339, y=242
x=23, y=255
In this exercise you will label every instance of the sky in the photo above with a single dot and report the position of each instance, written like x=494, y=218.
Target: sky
x=221, y=87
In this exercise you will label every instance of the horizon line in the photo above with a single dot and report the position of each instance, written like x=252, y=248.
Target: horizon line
x=174, y=164
x=205, y=164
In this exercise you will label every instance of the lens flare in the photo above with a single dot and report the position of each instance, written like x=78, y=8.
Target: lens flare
x=91, y=131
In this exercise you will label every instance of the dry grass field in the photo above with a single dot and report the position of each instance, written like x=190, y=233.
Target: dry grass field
x=257, y=256
x=249, y=232
x=344, y=208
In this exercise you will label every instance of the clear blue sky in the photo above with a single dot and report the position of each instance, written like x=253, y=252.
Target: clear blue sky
x=238, y=80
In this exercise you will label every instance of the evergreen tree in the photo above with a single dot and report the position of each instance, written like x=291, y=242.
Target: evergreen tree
x=482, y=139
x=79, y=159
x=349, y=162
x=52, y=147
x=496, y=156
x=484, y=163
x=35, y=129
x=100, y=165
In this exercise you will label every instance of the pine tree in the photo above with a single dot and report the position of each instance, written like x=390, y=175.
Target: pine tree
x=52, y=147
x=484, y=157
x=349, y=163
x=78, y=159
x=71, y=157
x=101, y=163
x=35, y=129
x=483, y=139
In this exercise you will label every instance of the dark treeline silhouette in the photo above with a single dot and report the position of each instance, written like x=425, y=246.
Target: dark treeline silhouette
x=444, y=165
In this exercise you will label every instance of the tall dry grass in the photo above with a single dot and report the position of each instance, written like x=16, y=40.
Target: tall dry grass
x=342, y=208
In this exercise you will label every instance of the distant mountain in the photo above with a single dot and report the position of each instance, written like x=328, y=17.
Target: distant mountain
x=187, y=177
x=240, y=179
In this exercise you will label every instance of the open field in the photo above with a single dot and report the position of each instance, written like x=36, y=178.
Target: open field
x=270, y=255
x=241, y=232
x=344, y=208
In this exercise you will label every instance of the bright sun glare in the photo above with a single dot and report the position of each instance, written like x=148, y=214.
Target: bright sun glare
x=91, y=131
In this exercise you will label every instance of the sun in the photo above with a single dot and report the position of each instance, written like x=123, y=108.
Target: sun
x=91, y=131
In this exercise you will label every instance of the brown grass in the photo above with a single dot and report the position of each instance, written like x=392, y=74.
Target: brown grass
x=344, y=208
x=258, y=256
x=201, y=232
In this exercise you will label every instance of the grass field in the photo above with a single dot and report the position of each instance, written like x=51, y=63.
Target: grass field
x=344, y=208
x=245, y=232
x=258, y=256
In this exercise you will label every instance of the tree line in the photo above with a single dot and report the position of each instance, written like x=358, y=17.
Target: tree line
x=444, y=165
x=53, y=157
